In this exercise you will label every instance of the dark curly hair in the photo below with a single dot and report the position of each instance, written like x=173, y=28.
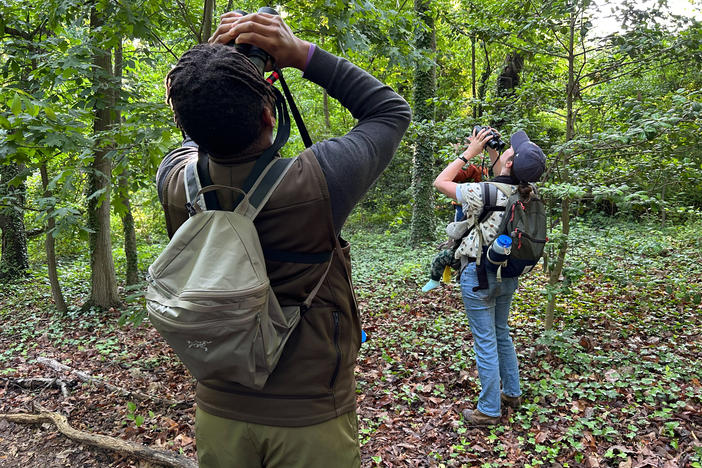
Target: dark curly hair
x=218, y=96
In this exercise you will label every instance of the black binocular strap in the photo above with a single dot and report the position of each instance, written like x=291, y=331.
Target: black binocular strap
x=281, y=138
x=293, y=108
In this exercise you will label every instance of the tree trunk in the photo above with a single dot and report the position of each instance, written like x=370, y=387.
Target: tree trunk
x=510, y=74
x=555, y=276
x=14, y=261
x=103, y=282
x=472, y=75
x=325, y=102
x=125, y=212
x=207, y=13
x=422, y=228
x=482, y=87
x=49, y=246
x=507, y=81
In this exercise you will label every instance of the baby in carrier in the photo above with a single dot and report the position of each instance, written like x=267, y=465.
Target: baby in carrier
x=444, y=261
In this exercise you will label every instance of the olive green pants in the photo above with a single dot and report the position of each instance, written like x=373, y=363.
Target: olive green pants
x=225, y=442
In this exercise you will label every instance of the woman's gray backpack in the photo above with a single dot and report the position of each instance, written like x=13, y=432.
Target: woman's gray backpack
x=524, y=221
x=209, y=295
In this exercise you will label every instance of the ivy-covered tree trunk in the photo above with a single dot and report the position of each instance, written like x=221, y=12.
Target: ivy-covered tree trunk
x=103, y=281
x=50, y=248
x=14, y=261
x=507, y=82
x=482, y=86
x=509, y=77
x=422, y=227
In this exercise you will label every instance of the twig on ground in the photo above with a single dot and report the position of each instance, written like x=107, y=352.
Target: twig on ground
x=85, y=377
x=121, y=446
x=40, y=382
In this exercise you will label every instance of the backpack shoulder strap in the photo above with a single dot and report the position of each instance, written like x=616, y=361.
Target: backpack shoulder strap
x=489, y=192
x=194, y=199
x=507, y=189
x=203, y=172
x=263, y=187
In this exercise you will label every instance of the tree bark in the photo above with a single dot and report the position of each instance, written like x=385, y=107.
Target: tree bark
x=103, y=281
x=50, y=248
x=555, y=276
x=14, y=261
x=507, y=82
x=325, y=102
x=130, y=244
x=472, y=75
x=207, y=13
x=422, y=227
x=482, y=87
x=510, y=75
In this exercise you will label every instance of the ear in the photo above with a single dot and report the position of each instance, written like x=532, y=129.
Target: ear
x=509, y=163
x=267, y=118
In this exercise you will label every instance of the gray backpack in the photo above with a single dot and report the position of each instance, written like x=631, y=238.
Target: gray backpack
x=209, y=295
x=525, y=222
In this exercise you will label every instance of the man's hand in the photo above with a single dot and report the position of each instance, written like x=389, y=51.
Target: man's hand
x=267, y=32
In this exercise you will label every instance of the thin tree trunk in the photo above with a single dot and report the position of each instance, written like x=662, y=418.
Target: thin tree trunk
x=422, y=227
x=130, y=245
x=472, y=74
x=482, y=87
x=207, y=13
x=103, y=281
x=663, y=206
x=565, y=204
x=325, y=101
x=14, y=261
x=49, y=245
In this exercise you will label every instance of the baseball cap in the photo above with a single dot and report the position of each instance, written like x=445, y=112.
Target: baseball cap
x=529, y=160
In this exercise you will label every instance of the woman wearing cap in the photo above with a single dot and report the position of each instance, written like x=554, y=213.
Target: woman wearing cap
x=488, y=309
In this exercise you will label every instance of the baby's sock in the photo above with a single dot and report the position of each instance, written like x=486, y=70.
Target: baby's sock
x=431, y=284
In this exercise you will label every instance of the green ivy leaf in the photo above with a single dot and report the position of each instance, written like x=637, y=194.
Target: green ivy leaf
x=16, y=105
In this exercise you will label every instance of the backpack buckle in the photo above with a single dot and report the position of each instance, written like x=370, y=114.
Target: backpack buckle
x=191, y=209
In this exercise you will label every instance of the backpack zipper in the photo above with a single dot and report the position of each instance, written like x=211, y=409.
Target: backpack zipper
x=335, y=316
x=204, y=323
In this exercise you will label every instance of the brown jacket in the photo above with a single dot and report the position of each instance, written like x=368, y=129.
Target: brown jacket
x=314, y=380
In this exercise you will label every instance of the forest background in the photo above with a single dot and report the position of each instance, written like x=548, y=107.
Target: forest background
x=607, y=328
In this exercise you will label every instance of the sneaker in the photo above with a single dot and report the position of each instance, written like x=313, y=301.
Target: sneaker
x=476, y=418
x=511, y=401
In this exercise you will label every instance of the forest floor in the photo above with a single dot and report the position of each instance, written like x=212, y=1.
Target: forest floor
x=617, y=383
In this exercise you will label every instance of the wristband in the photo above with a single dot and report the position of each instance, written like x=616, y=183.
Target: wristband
x=463, y=159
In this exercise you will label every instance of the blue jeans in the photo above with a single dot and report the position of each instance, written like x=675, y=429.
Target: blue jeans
x=488, y=311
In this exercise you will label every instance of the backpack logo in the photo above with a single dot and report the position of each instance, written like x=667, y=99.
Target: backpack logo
x=198, y=344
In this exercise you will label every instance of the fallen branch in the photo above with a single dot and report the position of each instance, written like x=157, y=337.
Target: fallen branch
x=115, y=444
x=85, y=377
x=38, y=382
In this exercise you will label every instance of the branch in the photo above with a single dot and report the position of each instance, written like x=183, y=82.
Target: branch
x=627, y=72
x=17, y=33
x=115, y=444
x=184, y=11
x=42, y=383
x=85, y=377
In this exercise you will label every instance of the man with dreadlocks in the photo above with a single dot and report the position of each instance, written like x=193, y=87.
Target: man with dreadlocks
x=305, y=415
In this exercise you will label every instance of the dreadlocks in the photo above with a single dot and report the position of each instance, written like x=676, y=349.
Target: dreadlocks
x=218, y=96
